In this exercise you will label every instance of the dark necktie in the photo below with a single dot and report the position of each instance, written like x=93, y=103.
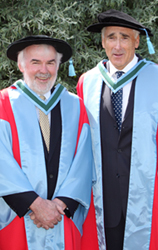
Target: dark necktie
x=116, y=99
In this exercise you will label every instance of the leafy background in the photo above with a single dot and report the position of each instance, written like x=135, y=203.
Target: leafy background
x=65, y=19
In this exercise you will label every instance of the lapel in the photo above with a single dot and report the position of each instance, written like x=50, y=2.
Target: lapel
x=55, y=135
x=45, y=148
x=131, y=100
x=107, y=100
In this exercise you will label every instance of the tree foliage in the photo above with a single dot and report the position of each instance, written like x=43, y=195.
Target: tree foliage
x=65, y=19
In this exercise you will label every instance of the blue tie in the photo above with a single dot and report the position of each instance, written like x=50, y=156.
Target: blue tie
x=116, y=99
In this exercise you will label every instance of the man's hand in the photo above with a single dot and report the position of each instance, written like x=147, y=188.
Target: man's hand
x=60, y=203
x=46, y=213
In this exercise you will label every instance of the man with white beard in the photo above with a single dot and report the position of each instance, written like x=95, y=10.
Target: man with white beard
x=46, y=177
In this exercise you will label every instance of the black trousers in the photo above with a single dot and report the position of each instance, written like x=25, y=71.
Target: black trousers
x=115, y=236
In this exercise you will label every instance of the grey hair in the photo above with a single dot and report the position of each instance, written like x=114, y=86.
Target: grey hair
x=136, y=32
x=22, y=61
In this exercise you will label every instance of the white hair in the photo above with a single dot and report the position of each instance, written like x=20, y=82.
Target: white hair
x=21, y=58
x=136, y=32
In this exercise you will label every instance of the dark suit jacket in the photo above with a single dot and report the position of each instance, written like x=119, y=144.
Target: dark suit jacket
x=116, y=155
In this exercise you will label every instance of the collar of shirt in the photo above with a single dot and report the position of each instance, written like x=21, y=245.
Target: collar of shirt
x=47, y=95
x=111, y=68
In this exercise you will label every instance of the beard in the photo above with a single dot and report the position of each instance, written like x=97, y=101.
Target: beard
x=40, y=88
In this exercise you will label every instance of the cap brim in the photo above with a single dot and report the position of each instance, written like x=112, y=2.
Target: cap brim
x=59, y=45
x=96, y=28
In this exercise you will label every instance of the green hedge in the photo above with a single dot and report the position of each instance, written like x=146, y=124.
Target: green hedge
x=65, y=19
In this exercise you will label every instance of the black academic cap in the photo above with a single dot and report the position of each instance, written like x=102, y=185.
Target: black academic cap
x=117, y=18
x=59, y=45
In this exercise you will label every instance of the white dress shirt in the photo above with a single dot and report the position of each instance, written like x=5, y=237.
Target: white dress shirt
x=127, y=87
